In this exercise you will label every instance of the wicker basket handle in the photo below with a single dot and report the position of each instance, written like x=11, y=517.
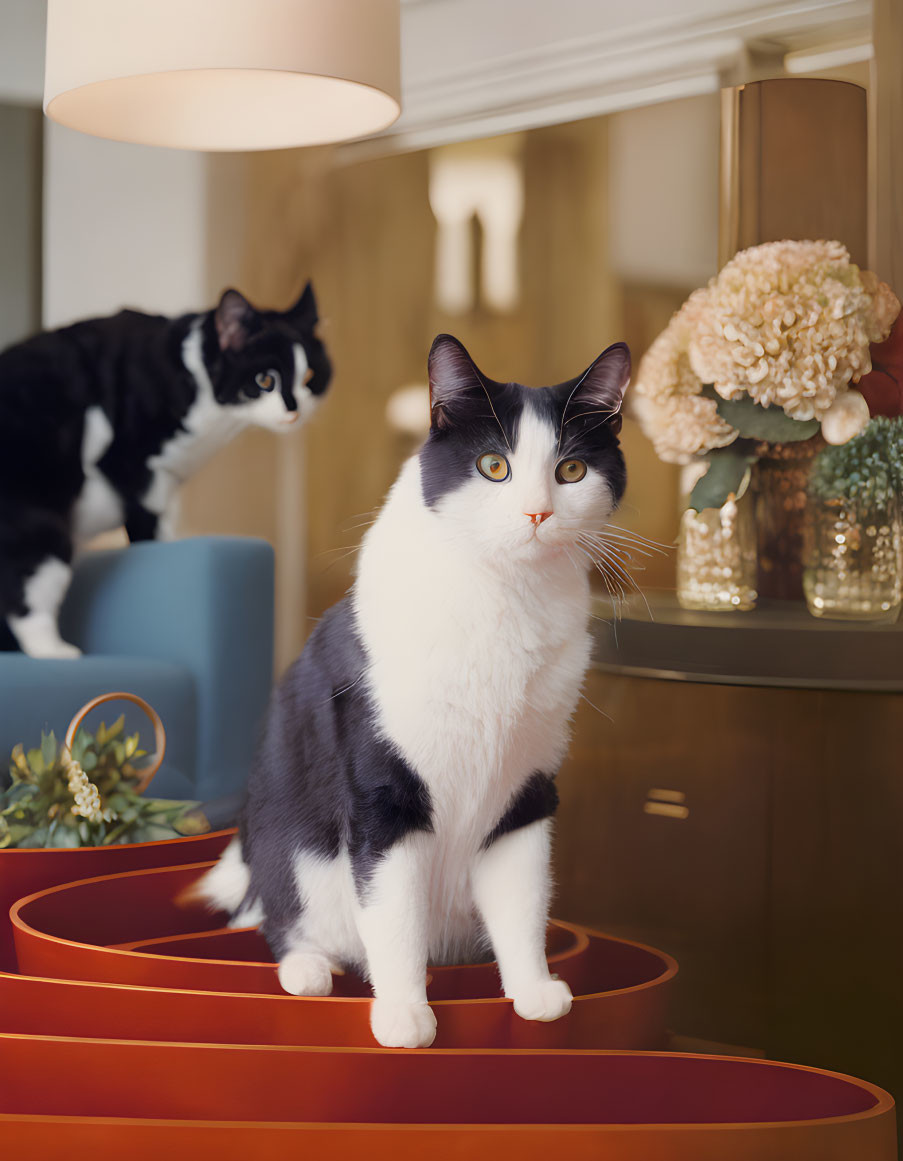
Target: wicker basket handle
x=145, y=775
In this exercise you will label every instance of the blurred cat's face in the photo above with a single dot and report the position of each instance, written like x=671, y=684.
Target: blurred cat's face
x=518, y=472
x=270, y=366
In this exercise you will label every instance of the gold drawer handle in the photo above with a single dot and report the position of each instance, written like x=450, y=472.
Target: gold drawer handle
x=666, y=804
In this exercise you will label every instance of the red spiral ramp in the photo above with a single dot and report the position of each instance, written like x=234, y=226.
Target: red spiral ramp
x=140, y=1026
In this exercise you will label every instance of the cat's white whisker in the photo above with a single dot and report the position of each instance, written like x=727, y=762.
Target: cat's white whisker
x=630, y=533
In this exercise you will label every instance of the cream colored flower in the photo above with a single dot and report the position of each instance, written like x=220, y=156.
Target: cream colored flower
x=666, y=393
x=84, y=792
x=790, y=323
x=846, y=417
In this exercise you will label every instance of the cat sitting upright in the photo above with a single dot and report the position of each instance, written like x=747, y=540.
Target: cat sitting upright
x=399, y=809
x=102, y=421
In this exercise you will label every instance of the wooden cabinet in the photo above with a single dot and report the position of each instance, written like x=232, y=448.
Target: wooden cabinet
x=755, y=832
x=692, y=880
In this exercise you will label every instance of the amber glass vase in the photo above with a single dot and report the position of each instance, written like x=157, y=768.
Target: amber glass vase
x=780, y=484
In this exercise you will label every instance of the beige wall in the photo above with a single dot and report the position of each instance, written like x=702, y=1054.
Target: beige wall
x=123, y=226
x=365, y=234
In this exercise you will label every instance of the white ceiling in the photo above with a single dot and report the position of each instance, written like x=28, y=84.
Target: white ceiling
x=476, y=67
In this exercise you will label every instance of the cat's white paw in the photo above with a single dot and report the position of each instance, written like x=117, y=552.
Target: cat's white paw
x=54, y=649
x=545, y=1000
x=402, y=1025
x=302, y=973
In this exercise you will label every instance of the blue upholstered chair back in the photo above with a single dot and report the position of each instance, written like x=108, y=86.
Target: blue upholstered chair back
x=186, y=624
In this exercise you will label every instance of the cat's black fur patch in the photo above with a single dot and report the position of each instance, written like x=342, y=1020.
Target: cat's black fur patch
x=473, y=414
x=324, y=779
x=131, y=367
x=536, y=799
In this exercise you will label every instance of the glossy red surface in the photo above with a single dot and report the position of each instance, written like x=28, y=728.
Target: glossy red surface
x=154, y=1029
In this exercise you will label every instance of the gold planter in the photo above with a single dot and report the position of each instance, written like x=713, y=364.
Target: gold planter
x=853, y=568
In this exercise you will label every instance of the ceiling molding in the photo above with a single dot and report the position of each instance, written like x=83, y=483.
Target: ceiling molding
x=487, y=91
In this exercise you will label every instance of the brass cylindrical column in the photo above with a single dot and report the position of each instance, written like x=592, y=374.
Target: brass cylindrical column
x=794, y=164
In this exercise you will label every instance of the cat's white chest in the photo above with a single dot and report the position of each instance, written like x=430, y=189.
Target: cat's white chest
x=206, y=427
x=98, y=507
x=474, y=679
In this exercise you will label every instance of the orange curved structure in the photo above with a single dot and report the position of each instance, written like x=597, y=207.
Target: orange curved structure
x=87, y=931
x=144, y=1027
x=26, y=870
x=223, y=1101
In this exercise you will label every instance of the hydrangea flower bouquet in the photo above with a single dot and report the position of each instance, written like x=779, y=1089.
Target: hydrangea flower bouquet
x=764, y=360
x=768, y=352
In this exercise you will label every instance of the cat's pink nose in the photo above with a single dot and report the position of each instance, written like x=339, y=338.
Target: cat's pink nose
x=538, y=517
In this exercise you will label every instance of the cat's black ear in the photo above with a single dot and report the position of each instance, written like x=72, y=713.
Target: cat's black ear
x=455, y=382
x=599, y=391
x=304, y=313
x=233, y=317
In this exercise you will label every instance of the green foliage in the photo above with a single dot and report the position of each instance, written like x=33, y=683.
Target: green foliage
x=753, y=421
x=36, y=810
x=868, y=468
x=727, y=473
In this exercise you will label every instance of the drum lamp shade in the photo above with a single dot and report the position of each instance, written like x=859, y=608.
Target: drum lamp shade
x=223, y=74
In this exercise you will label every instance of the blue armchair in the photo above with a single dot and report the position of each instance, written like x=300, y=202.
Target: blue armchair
x=187, y=625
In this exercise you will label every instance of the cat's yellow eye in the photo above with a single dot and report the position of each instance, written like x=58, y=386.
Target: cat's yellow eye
x=494, y=467
x=570, y=471
x=266, y=380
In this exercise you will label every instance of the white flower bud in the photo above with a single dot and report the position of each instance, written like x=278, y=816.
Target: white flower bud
x=846, y=417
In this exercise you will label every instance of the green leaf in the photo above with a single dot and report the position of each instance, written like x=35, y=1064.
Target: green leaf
x=89, y=761
x=48, y=748
x=155, y=833
x=80, y=744
x=20, y=834
x=116, y=728
x=63, y=836
x=36, y=761
x=727, y=473
x=38, y=837
x=753, y=421
x=20, y=792
x=192, y=822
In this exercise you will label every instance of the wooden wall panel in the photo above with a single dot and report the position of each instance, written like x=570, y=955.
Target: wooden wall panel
x=366, y=235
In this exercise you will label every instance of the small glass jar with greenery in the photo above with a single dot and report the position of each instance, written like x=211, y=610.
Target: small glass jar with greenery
x=853, y=559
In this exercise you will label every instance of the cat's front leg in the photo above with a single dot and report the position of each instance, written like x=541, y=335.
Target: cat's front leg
x=393, y=926
x=143, y=524
x=511, y=886
x=140, y=524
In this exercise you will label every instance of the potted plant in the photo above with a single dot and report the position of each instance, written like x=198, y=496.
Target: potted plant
x=853, y=568
x=79, y=810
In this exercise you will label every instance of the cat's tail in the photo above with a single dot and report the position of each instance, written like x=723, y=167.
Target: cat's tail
x=226, y=887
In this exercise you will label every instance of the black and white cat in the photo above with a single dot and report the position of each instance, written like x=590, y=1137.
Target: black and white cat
x=399, y=810
x=102, y=421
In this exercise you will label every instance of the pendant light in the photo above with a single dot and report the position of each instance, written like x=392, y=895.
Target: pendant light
x=223, y=74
